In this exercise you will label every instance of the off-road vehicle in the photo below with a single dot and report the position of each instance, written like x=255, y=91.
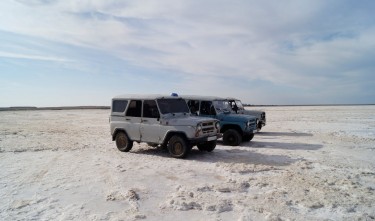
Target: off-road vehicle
x=234, y=127
x=238, y=108
x=160, y=120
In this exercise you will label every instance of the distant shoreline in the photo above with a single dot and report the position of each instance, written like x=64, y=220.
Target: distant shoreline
x=21, y=108
x=305, y=105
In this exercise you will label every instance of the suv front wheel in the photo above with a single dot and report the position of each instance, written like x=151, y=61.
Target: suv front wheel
x=123, y=142
x=178, y=147
x=232, y=137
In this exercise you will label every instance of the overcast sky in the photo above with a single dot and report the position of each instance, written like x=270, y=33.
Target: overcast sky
x=69, y=52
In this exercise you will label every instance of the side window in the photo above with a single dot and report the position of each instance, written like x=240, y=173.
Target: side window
x=231, y=104
x=119, y=106
x=193, y=106
x=134, y=109
x=207, y=108
x=150, y=110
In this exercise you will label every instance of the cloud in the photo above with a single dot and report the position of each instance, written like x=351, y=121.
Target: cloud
x=35, y=2
x=291, y=44
x=32, y=57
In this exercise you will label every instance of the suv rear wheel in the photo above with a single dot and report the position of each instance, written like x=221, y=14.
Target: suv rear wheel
x=232, y=137
x=208, y=146
x=123, y=142
x=178, y=147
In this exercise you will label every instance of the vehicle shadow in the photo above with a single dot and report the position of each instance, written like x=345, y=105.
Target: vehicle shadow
x=223, y=155
x=292, y=134
x=246, y=153
x=282, y=145
x=241, y=156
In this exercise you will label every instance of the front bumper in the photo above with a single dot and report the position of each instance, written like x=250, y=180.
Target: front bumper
x=195, y=141
x=247, y=133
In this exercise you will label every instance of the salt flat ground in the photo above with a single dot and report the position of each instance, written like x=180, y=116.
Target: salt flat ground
x=308, y=163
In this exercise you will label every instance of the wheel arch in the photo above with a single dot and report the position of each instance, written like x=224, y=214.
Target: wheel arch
x=117, y=130
x=231, y=126
x=172, y=133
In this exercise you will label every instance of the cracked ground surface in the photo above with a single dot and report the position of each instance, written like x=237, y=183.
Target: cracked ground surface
x=307, y=163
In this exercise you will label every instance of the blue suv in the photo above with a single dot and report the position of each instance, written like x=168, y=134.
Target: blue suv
x=234, y=127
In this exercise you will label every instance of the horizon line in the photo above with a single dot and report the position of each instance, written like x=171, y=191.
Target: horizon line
x=15, y=108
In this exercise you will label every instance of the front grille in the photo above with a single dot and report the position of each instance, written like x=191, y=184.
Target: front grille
x=207, y=124
x=208, y=127
x=252, y=123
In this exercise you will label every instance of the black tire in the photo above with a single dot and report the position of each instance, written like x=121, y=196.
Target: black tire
x=178, y=147
x=123, y=143
x=247, y=138
x=208, y=146
x=232, y=137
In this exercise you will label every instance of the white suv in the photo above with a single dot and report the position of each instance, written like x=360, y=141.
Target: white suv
x=160, y=120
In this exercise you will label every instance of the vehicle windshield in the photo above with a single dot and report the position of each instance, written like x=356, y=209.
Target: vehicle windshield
x=239, y=105
x=170, y=106
x=221, y=106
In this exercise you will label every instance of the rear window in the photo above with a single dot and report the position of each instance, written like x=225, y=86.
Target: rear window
x=134, y=109
x=119, y=106
x=173, y=106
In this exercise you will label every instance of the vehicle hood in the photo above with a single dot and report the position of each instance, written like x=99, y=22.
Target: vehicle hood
x=251, y=112
x=235, y=117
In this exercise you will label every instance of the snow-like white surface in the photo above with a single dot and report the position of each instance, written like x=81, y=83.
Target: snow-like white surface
x=308, y=163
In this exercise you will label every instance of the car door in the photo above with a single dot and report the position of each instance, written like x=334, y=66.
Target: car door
x=150, y=126
x=133, y=117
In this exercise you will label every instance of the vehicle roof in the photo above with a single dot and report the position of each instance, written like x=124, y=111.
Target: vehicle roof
x=233, y=98
x=143, y=96
x=199, y=97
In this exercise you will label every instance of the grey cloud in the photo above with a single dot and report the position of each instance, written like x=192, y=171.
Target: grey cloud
x=297, y=44
x=36, y=2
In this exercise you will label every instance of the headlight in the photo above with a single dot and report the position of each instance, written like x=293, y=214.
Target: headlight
x=248, y=124
x=198, y=130
x=217, y=125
